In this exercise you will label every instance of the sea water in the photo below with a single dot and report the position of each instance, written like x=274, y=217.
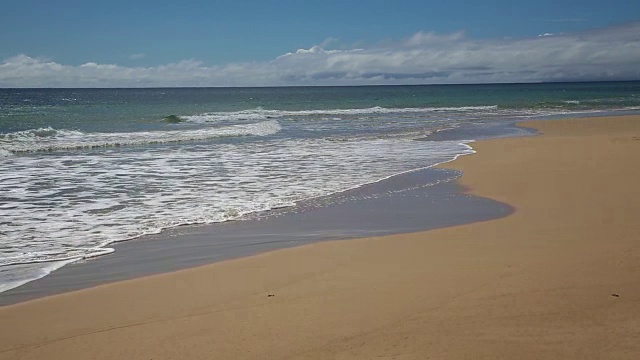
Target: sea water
x=83, y=168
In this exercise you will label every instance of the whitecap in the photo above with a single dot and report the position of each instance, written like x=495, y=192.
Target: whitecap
x=263, y=114
x=49, y=139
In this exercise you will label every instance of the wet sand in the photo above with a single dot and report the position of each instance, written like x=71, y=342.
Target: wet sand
x=416, y=201
x=558, y=278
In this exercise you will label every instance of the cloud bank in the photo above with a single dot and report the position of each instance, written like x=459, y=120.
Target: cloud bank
x=610, y=53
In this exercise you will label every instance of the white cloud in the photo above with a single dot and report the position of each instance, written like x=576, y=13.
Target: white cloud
x=424, y=58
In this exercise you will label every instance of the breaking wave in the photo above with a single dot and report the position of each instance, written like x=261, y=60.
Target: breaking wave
x=264, y=114
x=49, y=139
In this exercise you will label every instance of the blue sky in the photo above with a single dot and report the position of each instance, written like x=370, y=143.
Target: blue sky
x=151, y=43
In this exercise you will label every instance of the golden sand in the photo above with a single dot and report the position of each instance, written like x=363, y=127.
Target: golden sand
x=558, y=279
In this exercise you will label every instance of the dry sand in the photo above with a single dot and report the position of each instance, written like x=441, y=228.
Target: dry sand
x=558, y=279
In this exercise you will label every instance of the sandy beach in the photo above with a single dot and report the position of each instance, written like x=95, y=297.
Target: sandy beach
x=557, y=279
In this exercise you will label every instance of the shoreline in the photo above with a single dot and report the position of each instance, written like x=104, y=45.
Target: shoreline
x=309, y=221
x=75, y=274
x=536, y=284
x=109, y=248
x=6, y=296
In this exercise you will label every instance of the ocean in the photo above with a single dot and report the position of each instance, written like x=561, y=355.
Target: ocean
x=82, y=169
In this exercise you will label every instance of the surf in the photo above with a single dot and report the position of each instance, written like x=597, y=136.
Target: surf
x=50, y=139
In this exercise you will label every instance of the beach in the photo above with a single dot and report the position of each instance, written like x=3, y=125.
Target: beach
x=557, y=278
x=88, y=170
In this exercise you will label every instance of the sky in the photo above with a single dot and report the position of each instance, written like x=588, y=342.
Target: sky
x=348, y=42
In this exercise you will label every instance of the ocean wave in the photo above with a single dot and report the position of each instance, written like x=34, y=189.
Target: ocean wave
x=49, y=139
x=264, y=114
x=5, y=153
x=251, y=179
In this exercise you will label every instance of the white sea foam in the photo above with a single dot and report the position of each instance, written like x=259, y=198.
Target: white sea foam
x=73, y=205
x=49, y=139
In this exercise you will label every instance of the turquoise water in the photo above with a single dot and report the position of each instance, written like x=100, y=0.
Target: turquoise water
x=83, y=168
x=140, y=109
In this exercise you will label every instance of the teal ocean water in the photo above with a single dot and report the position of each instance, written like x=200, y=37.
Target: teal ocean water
x=81, y=169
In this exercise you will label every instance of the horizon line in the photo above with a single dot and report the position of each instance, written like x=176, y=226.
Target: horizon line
x=316, y=86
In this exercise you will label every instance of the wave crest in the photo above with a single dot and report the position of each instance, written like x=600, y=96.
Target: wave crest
x=49, y=139
x=263, y=114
